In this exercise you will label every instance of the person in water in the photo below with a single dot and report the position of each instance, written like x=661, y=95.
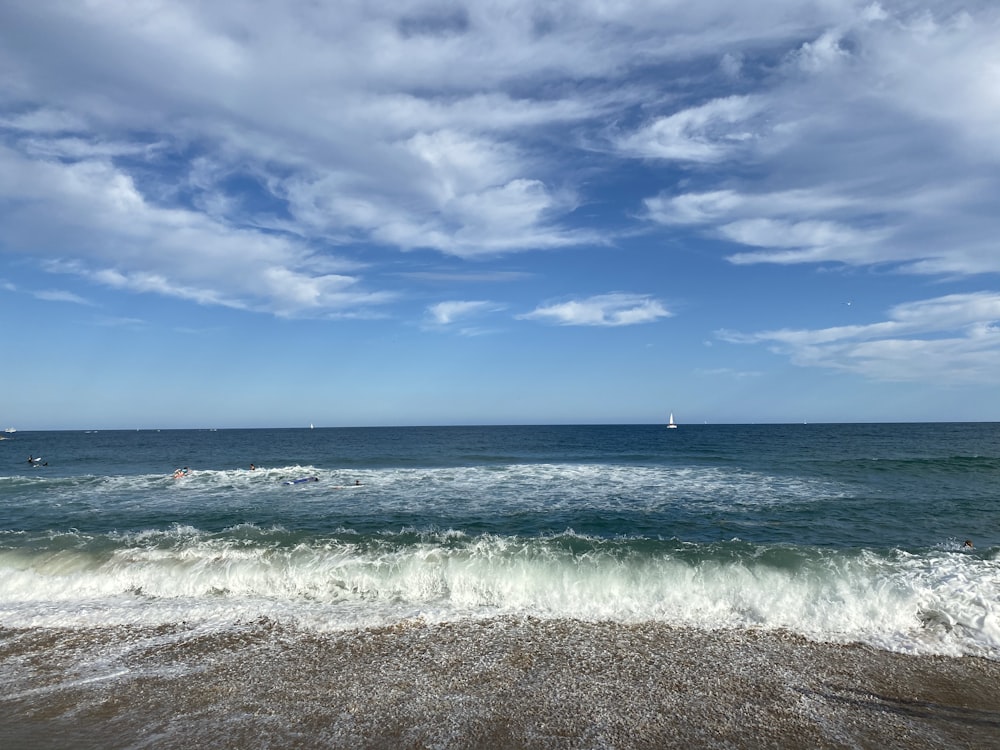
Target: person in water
x=968, y=543
x=253, y=467
x=181, y=473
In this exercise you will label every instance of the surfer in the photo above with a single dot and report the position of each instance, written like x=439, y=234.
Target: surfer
x=181, y=473
x=253, y=467
x=968, y=543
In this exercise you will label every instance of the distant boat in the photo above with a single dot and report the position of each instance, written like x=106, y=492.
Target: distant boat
x=10, y=429
x=311, y=426
x=671, y=425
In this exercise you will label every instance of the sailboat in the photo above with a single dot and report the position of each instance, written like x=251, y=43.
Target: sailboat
x=671, y=425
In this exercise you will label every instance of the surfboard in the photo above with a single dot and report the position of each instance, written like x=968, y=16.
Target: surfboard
x=300, y=481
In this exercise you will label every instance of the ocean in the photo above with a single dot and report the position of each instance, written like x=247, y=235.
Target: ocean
x=118, y=578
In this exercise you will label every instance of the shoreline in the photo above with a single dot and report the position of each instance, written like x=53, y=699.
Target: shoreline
x=500, y=683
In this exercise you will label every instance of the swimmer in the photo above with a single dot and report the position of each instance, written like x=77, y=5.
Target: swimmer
x=253, y=467
x=968, y=543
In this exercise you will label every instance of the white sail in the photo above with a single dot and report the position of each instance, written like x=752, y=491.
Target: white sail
x=671, y=424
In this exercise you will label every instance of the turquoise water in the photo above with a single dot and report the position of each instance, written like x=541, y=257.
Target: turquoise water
x=837, y=532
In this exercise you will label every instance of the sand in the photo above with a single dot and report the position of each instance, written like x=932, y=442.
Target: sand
x=490, y=684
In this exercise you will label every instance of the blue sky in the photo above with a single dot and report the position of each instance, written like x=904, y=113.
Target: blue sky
x=369, y=213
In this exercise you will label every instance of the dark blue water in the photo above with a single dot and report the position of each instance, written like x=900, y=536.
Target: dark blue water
x=908, y=485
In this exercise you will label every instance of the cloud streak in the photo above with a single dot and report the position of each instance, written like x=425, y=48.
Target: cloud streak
x=709, y=132
x=954, y=339
x=868, y=159
x=606, y=310
x=457, y=314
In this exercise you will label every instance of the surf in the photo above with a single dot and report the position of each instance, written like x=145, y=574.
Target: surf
x=940, y=601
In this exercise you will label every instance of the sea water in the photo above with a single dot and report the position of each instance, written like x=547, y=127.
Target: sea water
x=838, y=533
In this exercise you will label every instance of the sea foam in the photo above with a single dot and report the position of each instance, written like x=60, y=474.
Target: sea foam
x=940, y=602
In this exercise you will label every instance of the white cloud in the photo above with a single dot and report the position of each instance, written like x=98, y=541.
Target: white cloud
x=123, y=241
x=952, y=339
x=720, y=206
x=875, y=144
x=821, y=54
x=616, y=309
x=803, y=241
x=445, y=275
x=45, y=120
x=447, y=313
x=58, y=295
x=706, y=133
x=955, y=83
x=462, y=317
x=80, y=148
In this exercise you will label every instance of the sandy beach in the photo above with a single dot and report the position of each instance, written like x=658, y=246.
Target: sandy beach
x=497, y=684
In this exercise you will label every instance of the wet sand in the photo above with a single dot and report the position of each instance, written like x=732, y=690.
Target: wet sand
x=493, y=684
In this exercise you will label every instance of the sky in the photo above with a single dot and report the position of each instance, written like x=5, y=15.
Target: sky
x=289, y=212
